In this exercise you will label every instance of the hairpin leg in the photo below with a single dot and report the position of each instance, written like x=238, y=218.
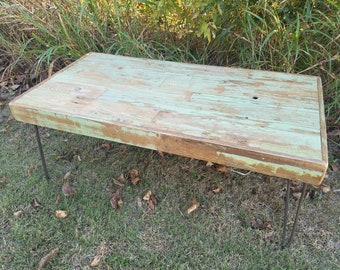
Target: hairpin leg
x=41, y=152
x=286, y=243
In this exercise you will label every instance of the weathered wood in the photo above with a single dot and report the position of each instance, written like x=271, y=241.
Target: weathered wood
x=268, y=122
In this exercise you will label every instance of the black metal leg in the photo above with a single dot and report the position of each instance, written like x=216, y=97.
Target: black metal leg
x=41, y=152
x=286, y=243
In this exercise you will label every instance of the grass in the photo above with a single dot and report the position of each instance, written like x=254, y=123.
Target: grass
x=217, y=235
x=40, y=37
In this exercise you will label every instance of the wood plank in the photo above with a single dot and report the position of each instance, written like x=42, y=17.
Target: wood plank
x=264, y=121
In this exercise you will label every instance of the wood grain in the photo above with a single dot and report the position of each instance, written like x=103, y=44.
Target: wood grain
x=268, y=122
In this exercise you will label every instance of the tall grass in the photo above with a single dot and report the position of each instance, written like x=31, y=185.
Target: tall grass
x=289, y=36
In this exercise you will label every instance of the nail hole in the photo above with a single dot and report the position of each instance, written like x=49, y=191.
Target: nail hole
x=255, y=97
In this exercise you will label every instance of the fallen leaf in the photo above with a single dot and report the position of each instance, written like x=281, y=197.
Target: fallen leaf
x=14, y=86
x=117, y=183
x=61, y=213
x=133, y=176
x=150, y=199
x=122, y=177
x=29, y=173
x=152, y=202
x=47, y=258
x=70, y=155
x=334, y=167
x=160, y=153
x=35, y=204
x=50, y=69
x=297, y=195
x=216, y=190
x=261, y=224
x=194, y=205
x=106, y=146
x=133, y=173
x=135, y=180
x=147, y=196
x=209, y=164
x=18, y=213
x=222, y=168
x=95, y=262
x=120, y=202
x=268, y=234
x=69, y=176
x=325, y=188
x=68, y=190
x=116, y=200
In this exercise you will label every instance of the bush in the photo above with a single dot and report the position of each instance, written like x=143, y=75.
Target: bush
x=288, y=36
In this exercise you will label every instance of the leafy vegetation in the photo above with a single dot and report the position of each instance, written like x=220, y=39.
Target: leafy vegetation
x=289, y=36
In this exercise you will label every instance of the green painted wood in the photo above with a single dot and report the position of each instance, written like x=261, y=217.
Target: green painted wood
x=263, y=121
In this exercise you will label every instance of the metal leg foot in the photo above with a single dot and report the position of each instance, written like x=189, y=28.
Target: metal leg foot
x=41, y=152
x=286, y=243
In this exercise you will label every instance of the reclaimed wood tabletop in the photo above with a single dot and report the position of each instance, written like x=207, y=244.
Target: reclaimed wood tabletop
x=268, y=122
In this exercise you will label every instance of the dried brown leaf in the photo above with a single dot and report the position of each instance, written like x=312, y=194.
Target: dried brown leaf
x=147, y=196
x=325, y=188
x=268, y=234
x=261, y=225
x=209, y=164
x=61, y=213
x=297, y=195
x=95, y=262
x=160, y=153
x=152, y=202
x=35, y=204
x=194, y=205
x=117, y=183
x=47, y=258
x=18, y=213
x=135, y=181
x=222, y=168
x=334, y=167
x=50, y=69
x=122, y=177
x=116, y=200
x=68, y=190
x=217, y=190
x=133, y=173
x=133, y=176
x=70, y=155
x=69, y=176
x=106, y=146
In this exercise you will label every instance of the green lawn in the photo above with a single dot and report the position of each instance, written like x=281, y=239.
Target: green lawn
x=218, y=235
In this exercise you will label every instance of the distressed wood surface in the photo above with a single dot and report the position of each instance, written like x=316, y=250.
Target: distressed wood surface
x=268, y=122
